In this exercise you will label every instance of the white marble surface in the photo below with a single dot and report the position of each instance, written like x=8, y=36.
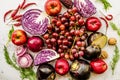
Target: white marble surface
x=9, y=73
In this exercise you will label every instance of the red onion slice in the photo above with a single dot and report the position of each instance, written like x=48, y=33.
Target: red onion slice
x=25, y=61
x=20, y=50
x=35, y=22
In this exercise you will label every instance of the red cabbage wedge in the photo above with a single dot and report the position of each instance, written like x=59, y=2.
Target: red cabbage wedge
x=35, y=22
x=85, y=7
x=45, y=55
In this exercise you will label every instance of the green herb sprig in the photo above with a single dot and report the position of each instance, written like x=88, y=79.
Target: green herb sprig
x=114, y=27
x=9, y=35
x=25, y=73
x=106, y=4
x=115, y=59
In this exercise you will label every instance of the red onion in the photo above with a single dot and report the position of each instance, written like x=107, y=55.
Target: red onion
x=35, y=22
x=20, y=50
x=85, y=7
x=25, y=61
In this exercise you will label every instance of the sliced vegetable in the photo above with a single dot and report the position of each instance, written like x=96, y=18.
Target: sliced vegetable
x=20, y=50
x=85, y=7
x=100, y=41
x=35, y=22
x=45, y=55
x=25, y=60
x=94, y=36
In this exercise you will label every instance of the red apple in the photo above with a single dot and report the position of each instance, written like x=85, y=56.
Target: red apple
x=98, y=66
x=35, y=43
x=62, y=66
x=53, y=7
x=93, y=24
x=19, y=37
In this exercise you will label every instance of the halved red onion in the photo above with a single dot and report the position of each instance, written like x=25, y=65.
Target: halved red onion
x=85, y=7
x=45, y=55
x=20, y=50
x=25, y=61
x=35, y=22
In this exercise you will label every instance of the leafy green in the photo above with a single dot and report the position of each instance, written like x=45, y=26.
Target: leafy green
x=115, y=59
x=27, y=73
x=8, y=60
x=106, y=4
x=114, y=27
x=9, y=35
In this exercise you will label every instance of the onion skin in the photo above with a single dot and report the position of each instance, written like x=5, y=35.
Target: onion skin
x=32, y=24
x=85, y=7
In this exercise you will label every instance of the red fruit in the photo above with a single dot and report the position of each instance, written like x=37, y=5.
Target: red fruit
x=62, y=66
x=62, y=27
x=72, y=18
x=19, y=37
x=58, y=23
x=53, y=7
x=93, y=24
x=98, y=66
x=81, y=22
x=35, y=43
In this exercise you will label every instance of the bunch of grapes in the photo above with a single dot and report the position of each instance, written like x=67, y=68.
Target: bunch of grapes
x=66, y=34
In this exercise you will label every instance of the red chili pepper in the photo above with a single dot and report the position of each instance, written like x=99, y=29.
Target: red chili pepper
x=8, y=12
x=27, y=5
x=105, y=22
x=16, y=17
x=109, y=17
x=18, y=20
x=23, y=3
x=17, y=24
x=15, y=11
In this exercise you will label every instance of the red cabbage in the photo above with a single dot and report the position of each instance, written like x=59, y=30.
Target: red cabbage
x=35, y=22
x=45, y=55
x=85, y=7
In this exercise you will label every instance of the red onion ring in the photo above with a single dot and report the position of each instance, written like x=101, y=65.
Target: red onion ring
x=20, y=50
x=25, y=61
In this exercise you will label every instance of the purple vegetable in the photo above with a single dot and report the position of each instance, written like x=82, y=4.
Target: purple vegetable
x=45, y=55
x=20, y=50
x=25, y=61
x=85, y=7
x=35, y=22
